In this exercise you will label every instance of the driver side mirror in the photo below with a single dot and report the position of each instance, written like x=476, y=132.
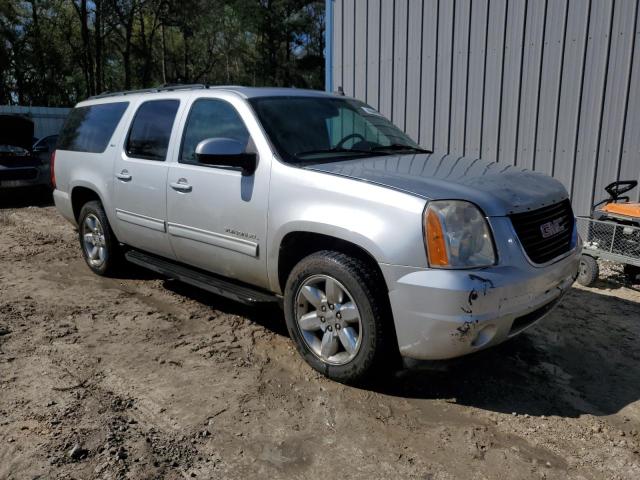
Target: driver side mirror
x=227, y=152
x=41, y=148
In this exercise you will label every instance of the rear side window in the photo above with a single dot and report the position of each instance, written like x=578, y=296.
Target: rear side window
x=211, y=118
x=151, y=130
x=89, y=129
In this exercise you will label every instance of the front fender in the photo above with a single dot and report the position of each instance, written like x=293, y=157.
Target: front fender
x=384, y=222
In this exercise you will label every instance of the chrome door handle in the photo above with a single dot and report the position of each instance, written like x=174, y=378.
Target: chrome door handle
x=124, y=176
x=181, y=185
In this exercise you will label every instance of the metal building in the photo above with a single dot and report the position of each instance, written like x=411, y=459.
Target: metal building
x=46, y=120
x=551, y=85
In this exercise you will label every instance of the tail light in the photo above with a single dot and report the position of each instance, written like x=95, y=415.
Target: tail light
x=52, y=167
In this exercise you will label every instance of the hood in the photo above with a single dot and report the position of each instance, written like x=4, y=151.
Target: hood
x=16, y=131
x=496, y=188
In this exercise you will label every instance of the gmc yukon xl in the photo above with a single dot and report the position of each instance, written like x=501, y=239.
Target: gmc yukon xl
x=376, y=248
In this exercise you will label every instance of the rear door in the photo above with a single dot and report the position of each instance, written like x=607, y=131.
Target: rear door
x=141, y=177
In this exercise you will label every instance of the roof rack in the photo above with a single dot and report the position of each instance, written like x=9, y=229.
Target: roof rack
x=168, y=87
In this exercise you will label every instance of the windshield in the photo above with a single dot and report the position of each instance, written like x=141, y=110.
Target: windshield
x=321, y=129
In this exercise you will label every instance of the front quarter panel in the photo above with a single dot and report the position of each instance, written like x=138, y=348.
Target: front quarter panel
x=384, y=222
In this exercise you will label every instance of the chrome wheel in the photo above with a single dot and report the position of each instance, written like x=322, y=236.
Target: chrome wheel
x=93, y=241
x=328, y=320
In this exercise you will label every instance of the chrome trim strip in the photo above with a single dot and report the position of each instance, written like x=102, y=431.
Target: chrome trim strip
x=211, y=238
x=141, y=220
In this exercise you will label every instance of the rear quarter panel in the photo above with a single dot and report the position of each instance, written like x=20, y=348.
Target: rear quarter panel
x=93, y=170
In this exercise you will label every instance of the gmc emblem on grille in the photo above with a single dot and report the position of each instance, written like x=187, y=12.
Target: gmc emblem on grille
x=552, y=228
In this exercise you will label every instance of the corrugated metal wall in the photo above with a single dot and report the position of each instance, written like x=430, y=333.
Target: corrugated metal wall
x=46, y=120
x=552, y=85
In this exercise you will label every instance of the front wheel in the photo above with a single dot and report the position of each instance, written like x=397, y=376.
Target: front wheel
x=335, y=312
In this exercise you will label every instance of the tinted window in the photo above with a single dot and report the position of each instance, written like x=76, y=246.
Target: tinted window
x=89, y=129
x=151, y=129
x=307, y=129
x=211, y=118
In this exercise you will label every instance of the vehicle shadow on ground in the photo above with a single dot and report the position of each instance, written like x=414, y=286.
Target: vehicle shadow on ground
x=581, y=359
x=572, y=364
x=25, y=197
x=269, y=316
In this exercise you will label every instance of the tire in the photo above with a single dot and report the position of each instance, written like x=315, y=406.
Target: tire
x=93, y=223
x=349, y=308
x=588, y=271
x=631, y=272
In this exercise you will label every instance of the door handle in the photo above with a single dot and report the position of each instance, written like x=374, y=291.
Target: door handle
x=124, y=176
x=181, y=186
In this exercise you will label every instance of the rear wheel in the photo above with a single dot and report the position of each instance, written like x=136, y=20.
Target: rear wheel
x=100, y=247
x=588, y=271
x=335, y=316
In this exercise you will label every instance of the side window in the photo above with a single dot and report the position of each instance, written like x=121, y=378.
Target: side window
x=151, y=130
x=89, y=129
x=210, y=118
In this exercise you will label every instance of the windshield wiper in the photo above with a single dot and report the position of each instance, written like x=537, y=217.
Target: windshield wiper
x=396, y=147
x=330, y=150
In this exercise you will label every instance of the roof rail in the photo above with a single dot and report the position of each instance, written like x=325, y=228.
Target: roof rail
x=168, y=87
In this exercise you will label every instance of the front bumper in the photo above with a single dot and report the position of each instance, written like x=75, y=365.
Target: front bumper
x=442, y=314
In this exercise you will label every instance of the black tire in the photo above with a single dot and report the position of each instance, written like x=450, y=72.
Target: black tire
x=588, y=271
x=112, y=252
x=377, y=341
x=631, y=272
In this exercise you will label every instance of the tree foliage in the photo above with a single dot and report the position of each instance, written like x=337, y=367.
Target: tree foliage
x=57, y=52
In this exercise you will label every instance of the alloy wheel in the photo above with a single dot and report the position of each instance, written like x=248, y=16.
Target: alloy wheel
x=328, y=319
x=93, y=241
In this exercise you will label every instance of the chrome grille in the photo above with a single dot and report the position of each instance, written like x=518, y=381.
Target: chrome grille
x=545, y=233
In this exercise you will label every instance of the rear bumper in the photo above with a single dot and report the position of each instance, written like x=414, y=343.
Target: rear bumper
x=442, y=314
x=62, y=200
x=24, y=176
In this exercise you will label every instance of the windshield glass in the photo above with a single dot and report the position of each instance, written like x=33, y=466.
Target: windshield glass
x=321, y=129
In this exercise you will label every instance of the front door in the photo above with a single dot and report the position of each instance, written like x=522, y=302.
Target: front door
x=141, y=178
x=217, y=216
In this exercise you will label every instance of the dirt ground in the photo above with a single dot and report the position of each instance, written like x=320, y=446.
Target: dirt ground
x=140, y=377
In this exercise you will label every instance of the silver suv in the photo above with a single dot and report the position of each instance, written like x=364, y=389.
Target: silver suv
x=377, y=249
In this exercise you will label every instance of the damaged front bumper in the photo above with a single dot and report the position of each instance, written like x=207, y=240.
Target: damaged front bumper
x=443, y=314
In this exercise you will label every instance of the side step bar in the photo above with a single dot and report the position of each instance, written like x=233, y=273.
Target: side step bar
x=198, y=278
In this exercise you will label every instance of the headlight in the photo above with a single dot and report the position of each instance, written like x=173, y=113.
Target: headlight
x=457, y=235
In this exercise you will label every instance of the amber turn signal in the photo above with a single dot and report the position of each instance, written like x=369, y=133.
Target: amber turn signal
x=436, y=247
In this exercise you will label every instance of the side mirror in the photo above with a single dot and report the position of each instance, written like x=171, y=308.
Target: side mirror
x=227, y=152
x=41, y=148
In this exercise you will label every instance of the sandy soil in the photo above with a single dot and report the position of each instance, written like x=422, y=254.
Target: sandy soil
x=139, y=377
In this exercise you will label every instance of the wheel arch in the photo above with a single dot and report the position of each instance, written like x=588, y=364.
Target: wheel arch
x=80, y=195
x=297, y=245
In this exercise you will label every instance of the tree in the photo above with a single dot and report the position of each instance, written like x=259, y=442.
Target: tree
x=57, y=52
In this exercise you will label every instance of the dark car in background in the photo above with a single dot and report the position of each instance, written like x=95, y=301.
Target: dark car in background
x=44, y=147
x=21, y=163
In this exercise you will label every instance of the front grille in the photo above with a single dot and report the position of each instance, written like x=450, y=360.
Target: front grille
x=545, y=233
x=18, y=174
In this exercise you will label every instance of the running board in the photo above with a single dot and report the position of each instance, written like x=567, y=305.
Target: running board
x=200, y=279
